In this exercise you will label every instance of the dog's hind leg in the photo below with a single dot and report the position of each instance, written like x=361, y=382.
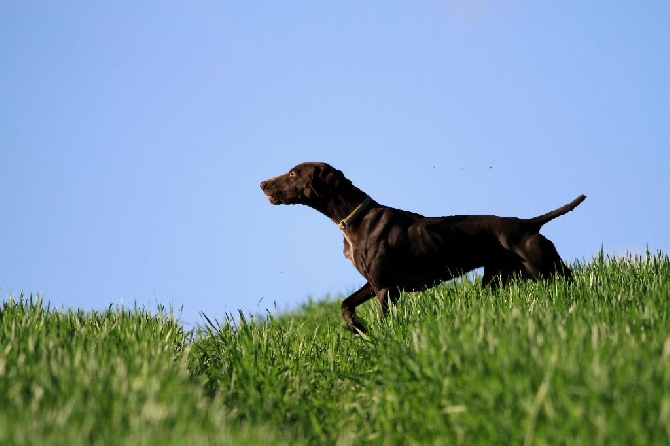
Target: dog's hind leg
x=504, y=267
x=540, y=258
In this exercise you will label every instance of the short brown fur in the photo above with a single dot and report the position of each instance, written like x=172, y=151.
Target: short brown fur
x=399, y=250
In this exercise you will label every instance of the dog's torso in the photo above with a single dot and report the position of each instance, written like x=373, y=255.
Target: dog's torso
x=392, y=248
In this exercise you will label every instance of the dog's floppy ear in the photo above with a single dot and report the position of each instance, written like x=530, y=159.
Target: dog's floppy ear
x=325, y=180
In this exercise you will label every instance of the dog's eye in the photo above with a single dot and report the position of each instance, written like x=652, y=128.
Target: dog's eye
x=292, y=173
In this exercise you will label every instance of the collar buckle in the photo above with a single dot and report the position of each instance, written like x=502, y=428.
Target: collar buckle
x=351, y=217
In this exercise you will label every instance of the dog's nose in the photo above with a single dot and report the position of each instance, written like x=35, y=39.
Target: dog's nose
x=264, y=184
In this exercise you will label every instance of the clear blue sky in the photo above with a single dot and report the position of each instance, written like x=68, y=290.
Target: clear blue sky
x=133, y=136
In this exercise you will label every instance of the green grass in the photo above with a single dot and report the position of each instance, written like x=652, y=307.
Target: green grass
x=532, y=363
x=102, y=378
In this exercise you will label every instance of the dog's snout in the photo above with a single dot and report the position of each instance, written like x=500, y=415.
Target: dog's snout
x=264, y=185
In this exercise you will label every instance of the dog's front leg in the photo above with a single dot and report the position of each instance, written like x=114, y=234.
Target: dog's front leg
x=349, y=308
x=387, y=297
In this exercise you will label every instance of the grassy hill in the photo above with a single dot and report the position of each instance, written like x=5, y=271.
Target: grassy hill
x=532, y=363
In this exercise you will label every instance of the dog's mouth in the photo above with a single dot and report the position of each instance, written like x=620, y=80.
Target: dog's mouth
x=274, y=198
x=271, y=193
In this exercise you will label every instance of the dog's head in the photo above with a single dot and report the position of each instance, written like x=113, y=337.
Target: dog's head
x=306, y=183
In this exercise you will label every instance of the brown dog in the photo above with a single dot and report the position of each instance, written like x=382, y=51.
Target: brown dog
x=400, y=250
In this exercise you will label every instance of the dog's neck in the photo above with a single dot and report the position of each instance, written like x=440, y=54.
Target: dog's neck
x=360, y=209
x=344, y=205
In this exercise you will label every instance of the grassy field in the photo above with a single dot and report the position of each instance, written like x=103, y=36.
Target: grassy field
x=532, y=363
x=105, y=378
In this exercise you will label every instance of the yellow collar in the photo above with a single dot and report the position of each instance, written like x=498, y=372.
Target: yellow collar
x=361, y=207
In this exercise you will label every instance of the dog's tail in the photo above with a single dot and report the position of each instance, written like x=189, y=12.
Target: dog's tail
x=540, y=220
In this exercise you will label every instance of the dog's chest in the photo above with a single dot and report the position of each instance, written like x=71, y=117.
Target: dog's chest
x=352, y=252
x=348, y=249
